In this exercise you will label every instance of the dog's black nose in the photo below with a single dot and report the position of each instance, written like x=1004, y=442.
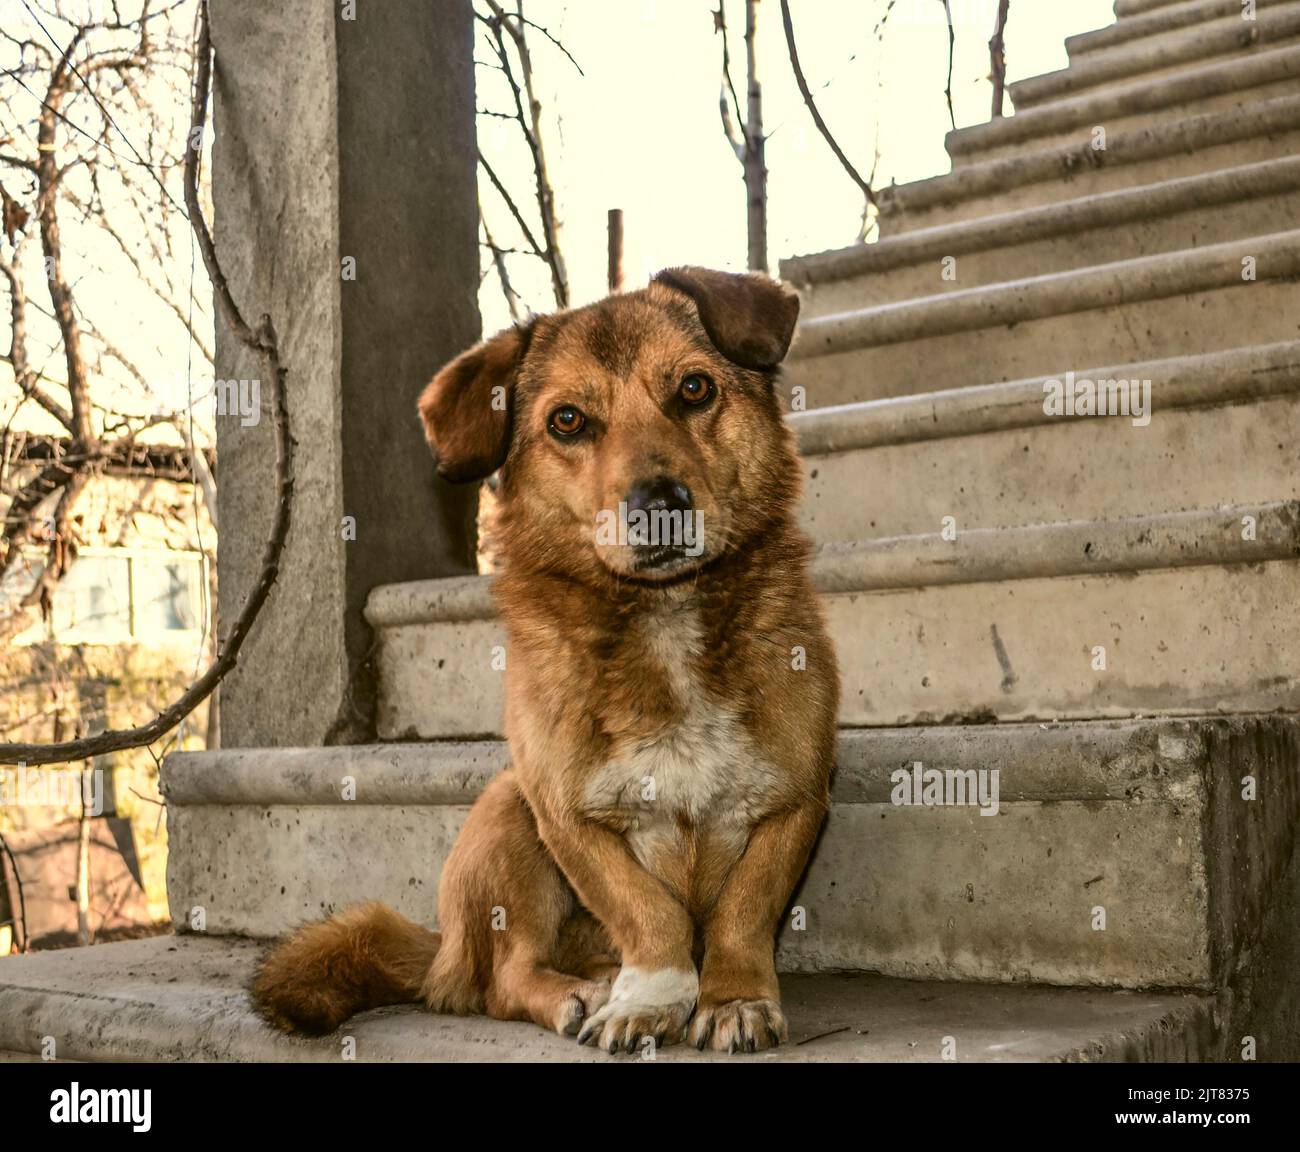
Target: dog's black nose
x=662, y=494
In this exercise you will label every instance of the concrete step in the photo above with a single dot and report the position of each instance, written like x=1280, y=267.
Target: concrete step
x=1223, y=428
x=1231, y=83
x=1195, y=612
x=1166, y=57
x=1152, y=307
x=1167, y=150
x=1189, y=212
x=1160, y=22
x=1141, y=818
x=181, y=999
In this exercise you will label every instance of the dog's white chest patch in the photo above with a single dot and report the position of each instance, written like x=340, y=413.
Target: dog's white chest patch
x=704, y=769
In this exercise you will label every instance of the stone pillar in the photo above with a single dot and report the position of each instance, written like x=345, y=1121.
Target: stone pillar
x=345, y=204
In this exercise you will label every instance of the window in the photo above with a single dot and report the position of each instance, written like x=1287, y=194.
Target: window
x=116, y=596
x=93, y=600
x=168, y=596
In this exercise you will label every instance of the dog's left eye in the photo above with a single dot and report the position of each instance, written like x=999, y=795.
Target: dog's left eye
x=696, y=389
x=567, y=421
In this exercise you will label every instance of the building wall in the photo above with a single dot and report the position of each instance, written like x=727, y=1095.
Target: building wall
x=120, y=645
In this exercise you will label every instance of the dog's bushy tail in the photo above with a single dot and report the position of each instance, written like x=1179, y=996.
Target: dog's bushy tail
x=365, y=957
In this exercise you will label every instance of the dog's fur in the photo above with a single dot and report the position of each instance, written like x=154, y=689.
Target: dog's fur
x=671, y=725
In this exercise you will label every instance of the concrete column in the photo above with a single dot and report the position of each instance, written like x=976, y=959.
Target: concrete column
x=345, y=206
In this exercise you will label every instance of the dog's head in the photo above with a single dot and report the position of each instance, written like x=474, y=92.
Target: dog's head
x=640, y=436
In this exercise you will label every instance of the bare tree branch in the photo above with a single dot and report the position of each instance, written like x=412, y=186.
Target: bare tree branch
x=123, y=457
x=25, y=376
x=167, y=298
x=514, y=208
x=17, y=162
x=62, y=549
x=749, y=144
x=735, y=137
x=998, y=58
x=853, y=173
x=755, y=147
x=519, y=15
x=878, y=30
x=72, y=464
x=54, y=477
x=503, y=274
x=48, y=176
x=262, y=340
x=614, y=250
x=501, y=24
x=952, y=46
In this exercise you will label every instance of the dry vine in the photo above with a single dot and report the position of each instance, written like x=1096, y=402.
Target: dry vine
x=864, y=185
x=261, y=340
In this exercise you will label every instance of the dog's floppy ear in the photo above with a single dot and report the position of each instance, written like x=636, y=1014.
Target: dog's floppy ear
x=467, y=406
x=750, y=318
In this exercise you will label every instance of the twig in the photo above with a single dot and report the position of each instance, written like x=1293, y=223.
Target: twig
x=261, y=340
x=506, y=250
x=822, y=1035
x=998, y=58
x=530, y=124
x=546, y=32
x=503, y=274
x=50, y=479
x=735, y=138
x=27, y=379
x=952, y=46
x=614, y=275
x=879, y=29
x=22, y=899
x=864, y=185
x=755, y=147
x=514, y=208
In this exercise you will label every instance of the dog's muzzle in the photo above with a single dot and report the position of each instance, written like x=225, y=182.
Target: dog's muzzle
x=659, y=513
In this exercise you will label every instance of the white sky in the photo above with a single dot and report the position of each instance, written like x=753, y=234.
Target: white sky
x=108, y=291
x=642, y=131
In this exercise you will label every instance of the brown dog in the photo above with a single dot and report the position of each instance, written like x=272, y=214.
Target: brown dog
x=671, y=693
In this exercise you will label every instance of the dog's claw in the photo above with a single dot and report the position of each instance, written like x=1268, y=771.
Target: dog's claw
x=615, y=1031
x=577, y=1009
x=738, y=1026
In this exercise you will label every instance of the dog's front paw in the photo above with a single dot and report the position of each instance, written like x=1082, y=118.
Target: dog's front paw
x=583, y=1002
x=643, y=1005
x=738, y=1026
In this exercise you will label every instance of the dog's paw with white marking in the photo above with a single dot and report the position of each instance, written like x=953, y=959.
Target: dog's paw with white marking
x=643, y=1005
x=739, y=1026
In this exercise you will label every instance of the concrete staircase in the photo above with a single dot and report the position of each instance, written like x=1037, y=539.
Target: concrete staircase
x=1103, y=609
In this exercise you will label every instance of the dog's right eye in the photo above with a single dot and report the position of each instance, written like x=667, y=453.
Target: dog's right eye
x=567, y=421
